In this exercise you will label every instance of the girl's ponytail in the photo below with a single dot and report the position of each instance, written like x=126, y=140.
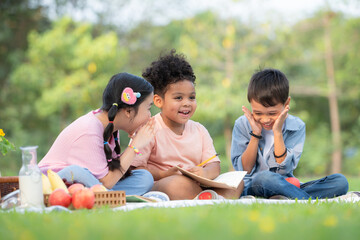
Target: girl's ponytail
x=113, y=163
x=114, y=100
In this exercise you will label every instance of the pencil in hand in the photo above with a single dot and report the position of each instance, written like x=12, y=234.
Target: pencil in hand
x=204, y=162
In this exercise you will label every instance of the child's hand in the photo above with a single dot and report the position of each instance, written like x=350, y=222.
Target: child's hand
x=144, y=135
x=173, y=170
x=279, y=122
x=255, y=126
x=198, y=171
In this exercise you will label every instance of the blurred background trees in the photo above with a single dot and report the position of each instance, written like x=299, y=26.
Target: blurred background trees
x=54, y=67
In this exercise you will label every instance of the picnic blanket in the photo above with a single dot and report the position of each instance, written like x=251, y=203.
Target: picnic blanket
x=348, y=198
x=351, y=197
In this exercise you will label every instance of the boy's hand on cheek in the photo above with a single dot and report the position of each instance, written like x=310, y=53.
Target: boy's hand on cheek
x=281, y=119
x=255, y=126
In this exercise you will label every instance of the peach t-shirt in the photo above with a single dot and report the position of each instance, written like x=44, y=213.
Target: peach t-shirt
x=168, y=149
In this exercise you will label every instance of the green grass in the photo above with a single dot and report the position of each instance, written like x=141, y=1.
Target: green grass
x=299, y=221
x=224, y=221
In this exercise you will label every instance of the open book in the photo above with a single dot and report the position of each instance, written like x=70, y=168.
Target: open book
x=230, y=180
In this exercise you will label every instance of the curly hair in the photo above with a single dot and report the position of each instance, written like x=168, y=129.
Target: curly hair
x=168, y=69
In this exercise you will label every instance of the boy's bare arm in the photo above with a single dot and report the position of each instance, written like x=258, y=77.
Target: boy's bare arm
x=279, y=145
x=250, y=154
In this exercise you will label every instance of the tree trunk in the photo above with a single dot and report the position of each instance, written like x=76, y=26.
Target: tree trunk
x=333, y=104
x=229, y=72
x=228, y=137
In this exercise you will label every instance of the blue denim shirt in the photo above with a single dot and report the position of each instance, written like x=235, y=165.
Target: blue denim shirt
x=294, y=138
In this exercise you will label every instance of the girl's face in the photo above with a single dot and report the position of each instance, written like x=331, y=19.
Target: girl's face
x=267, y=116
x=178, y=104
x=143, y=115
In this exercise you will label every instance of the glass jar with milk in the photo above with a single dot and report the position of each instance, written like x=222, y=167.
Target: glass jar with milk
x=30, y=182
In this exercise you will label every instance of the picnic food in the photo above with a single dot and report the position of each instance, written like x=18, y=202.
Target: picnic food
x=60, y=197
x=56, y=181
x=75, y=187
x=293, y=181
x=84, y=198
x=98, y=188
x=46, y=184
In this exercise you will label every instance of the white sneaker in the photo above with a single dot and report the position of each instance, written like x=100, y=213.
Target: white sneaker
x=248, y=197
x=157, y=196
x=350, y=196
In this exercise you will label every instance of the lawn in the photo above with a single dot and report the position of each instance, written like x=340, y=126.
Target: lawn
x=225, y=221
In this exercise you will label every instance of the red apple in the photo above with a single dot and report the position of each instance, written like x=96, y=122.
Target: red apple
x=293, y=181
x=98, y=188
x=75, y=187
x=84, y=198
x=59, y=197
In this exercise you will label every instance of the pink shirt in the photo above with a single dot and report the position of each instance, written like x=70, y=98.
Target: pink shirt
x=81, y=143
x=168, y=149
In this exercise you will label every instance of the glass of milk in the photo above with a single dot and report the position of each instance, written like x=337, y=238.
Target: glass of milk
x=30, y=182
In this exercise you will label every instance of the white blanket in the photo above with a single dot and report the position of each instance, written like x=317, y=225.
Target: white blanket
x=348, y=198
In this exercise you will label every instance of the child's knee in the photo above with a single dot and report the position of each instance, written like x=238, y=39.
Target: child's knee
x=342, y=184
x=178, y=187
x=264, y=177
x=146, y=180
x=69, y=172
x=177, y=182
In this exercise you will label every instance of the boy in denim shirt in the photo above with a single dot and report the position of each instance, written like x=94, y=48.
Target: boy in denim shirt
x=268, y=142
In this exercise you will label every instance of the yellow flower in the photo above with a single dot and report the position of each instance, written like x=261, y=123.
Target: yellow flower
x=5, y=145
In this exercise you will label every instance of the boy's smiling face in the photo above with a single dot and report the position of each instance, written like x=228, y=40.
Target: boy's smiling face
x=178, y=104
x=267, y=116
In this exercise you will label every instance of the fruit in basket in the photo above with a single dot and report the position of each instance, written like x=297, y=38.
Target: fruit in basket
x=56, y=181
x=47, y=189
x=84, y=198
x=98, y=188
x=75, y=187
x=293, y=181
x=60, y=197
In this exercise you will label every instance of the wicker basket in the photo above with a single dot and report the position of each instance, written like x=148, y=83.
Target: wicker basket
x=8, y=185
x=109, y=198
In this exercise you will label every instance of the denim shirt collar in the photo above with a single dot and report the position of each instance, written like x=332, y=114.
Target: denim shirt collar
x=291, y=124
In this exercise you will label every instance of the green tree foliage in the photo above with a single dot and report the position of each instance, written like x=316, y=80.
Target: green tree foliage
x=17, y=19
x=66, y=68
x=306, y=67
x=65, y=72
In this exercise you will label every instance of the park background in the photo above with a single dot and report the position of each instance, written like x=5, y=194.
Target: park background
x=56, y=57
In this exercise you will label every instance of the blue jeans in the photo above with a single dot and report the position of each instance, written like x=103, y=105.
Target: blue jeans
x=140, y=182
x=267, y=184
